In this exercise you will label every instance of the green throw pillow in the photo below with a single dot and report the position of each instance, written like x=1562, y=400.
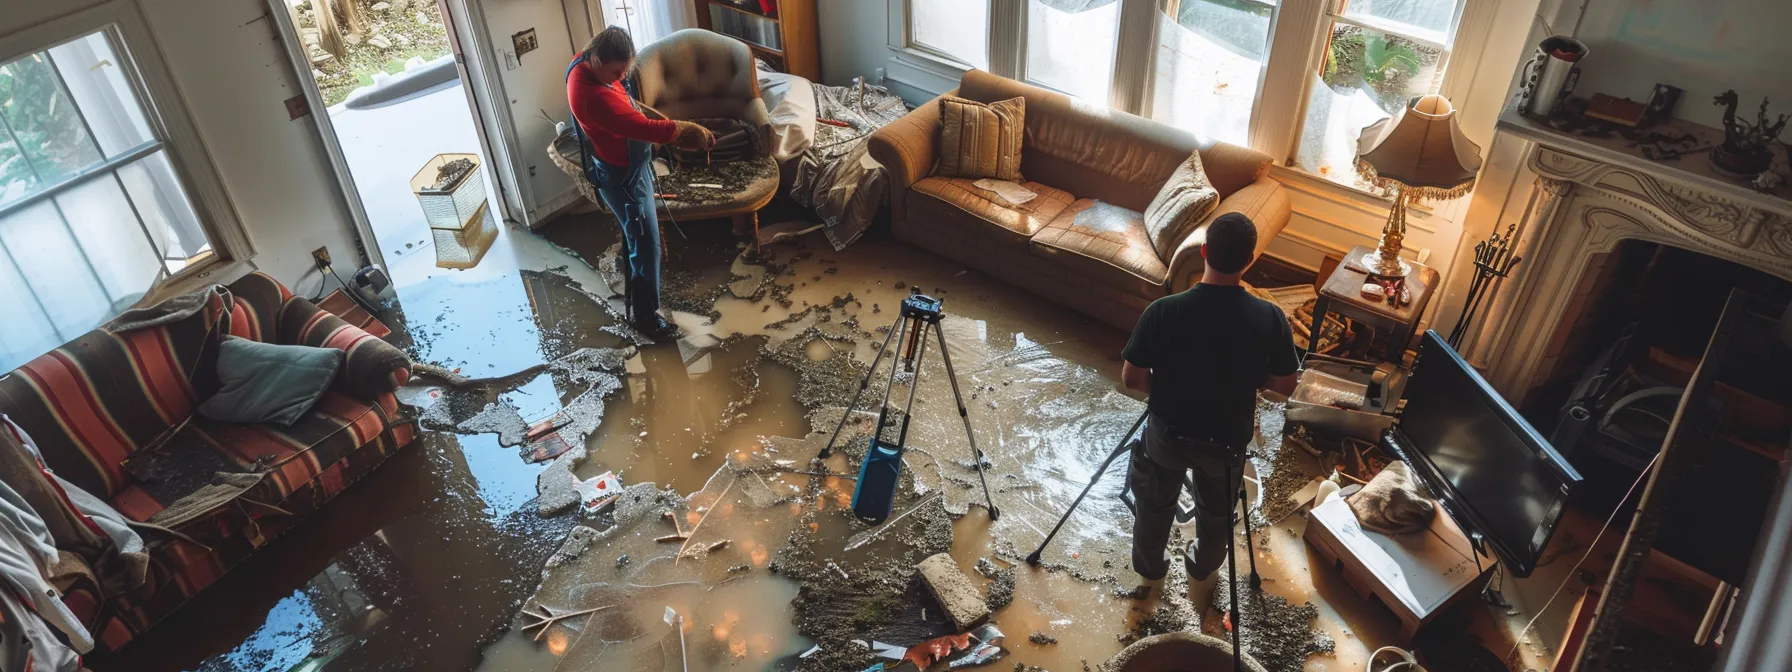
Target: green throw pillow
x=271, y=384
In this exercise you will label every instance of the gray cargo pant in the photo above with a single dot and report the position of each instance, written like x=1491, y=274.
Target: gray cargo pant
x=1159, y=465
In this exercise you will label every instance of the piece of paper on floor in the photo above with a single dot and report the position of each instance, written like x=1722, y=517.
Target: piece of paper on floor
x=1009, y=191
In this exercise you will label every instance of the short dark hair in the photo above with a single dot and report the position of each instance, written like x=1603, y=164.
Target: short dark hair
x=1231, y=242
x=610, y=46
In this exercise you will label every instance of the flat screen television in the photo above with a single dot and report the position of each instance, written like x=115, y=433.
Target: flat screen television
x=1493, y=473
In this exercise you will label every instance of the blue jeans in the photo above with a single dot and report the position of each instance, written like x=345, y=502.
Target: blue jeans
x=628, y=192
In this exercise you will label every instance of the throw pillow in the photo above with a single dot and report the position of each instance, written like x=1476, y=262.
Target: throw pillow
x=981, y=140
x=1185, y=200
x=267, y=383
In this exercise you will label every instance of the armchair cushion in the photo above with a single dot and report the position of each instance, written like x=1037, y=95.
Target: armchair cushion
x=697, y=74
x=371, y=367
x=269, y=383
x=1179, y=206
x=981, y=139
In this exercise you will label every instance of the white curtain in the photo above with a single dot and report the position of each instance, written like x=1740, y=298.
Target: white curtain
x=649, y=20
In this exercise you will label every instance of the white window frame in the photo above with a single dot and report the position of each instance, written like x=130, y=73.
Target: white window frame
x=165, y=111
x=919, y=48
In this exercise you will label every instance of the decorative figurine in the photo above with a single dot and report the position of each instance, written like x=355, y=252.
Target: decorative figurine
x=1747, y=148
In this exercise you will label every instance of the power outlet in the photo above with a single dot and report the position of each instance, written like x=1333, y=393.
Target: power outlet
x=321, y=256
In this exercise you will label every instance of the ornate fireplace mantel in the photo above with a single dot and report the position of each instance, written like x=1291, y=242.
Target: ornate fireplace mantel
x=1591, y=194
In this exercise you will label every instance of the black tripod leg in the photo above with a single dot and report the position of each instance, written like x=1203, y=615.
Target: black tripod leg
x=1033, y=558
x=976, y=454
x=863, y=383
x=1232, y=584
x=1250, y=543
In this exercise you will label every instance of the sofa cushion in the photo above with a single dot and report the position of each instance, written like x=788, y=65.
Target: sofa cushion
x=981, y=139
x=290, y=457
x=264, y=382
x=958, y=206
x=1180, y=206
x=1104, y=243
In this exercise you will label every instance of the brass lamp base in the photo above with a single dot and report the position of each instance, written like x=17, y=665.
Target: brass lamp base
x=1385, y=260
x=1386, y=267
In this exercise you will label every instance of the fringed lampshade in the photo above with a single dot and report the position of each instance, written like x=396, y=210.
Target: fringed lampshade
x=1419, y=152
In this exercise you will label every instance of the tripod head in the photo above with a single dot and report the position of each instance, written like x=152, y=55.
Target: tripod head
x=922, y=307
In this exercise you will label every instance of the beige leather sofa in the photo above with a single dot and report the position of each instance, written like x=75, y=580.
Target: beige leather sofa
x=1074, y=155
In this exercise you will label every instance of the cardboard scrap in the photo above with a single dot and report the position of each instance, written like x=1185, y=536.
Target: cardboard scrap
x=599, y=492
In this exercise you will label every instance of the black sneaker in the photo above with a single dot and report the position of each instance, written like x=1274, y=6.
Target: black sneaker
x=659, y=329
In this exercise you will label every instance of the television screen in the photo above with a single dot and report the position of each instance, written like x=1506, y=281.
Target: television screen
x=1493, y=472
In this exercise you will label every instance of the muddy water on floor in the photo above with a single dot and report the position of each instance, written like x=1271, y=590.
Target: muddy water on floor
x=1037, y=382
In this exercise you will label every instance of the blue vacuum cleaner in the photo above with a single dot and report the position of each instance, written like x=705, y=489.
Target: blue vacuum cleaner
x=875, y=496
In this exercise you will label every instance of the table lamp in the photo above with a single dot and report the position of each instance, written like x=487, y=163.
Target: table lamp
x=1417, y=153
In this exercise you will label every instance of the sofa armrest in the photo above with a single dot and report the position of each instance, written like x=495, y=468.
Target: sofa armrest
x=371, y=367
x=1264, y=201
x=906, y=149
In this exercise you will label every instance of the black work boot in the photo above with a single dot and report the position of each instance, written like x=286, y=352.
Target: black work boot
x=657, y=328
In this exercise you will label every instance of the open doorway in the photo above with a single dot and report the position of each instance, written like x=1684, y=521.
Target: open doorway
x=395, y=101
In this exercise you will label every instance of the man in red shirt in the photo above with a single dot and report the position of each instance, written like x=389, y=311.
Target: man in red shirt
x=621, y=140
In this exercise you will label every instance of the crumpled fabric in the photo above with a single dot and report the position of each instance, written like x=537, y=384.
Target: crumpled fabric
x=29, y=605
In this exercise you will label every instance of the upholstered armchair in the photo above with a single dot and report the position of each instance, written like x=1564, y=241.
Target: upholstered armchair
x=697, y=75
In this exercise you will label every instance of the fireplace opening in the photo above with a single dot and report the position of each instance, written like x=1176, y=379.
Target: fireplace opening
x=1612, y=376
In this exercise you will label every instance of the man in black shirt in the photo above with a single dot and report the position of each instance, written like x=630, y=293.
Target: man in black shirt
x=1202, y=354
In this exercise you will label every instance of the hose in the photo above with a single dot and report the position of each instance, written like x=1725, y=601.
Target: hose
x=1407, y=661
x=1634, y=397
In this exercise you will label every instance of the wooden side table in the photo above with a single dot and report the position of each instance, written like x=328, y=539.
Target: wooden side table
x=1342, y=293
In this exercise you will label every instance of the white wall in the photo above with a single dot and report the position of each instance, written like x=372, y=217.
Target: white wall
x=532, y=84
x=1702, y=46
x=234, y=79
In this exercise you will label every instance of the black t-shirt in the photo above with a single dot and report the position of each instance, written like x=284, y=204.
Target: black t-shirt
x=1209, y=348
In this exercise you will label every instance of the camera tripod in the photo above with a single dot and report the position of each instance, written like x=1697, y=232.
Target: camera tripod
x=876, y=491
x=1182, y=516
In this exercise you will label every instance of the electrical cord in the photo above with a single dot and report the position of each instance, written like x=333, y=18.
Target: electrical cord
x=1406, y=662
x=346, y=290
x=1583, y=557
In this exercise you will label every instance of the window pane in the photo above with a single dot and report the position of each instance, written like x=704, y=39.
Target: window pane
x=1367, y=76
x=55, y=269
x=108, y=234
x=16, y=176
x=1070, y=45
x=1429, y=16
x=104, y=96
x=956, y=28
x=165, y=210
x=43, y=120
x=26, y=332
x=1209, y=61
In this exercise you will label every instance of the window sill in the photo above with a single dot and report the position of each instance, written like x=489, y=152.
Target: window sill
x=1314, y=186
x=214, y=271
x=931, y=63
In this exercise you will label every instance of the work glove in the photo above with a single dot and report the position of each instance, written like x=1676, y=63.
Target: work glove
x=692, y=136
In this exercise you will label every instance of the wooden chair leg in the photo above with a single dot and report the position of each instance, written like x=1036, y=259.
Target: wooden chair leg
x=747, y=224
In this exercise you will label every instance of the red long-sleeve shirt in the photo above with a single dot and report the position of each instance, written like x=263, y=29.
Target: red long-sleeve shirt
x=609, y=119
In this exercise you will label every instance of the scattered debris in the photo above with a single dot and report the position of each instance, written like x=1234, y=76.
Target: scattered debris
x=964, y=604
x=1042, y=639
x=545, y=617
x=599, y=492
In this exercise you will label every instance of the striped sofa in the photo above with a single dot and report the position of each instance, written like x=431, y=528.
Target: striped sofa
x=113, y=413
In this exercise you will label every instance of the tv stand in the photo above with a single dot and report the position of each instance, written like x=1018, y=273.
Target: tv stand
x=1416, y=576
